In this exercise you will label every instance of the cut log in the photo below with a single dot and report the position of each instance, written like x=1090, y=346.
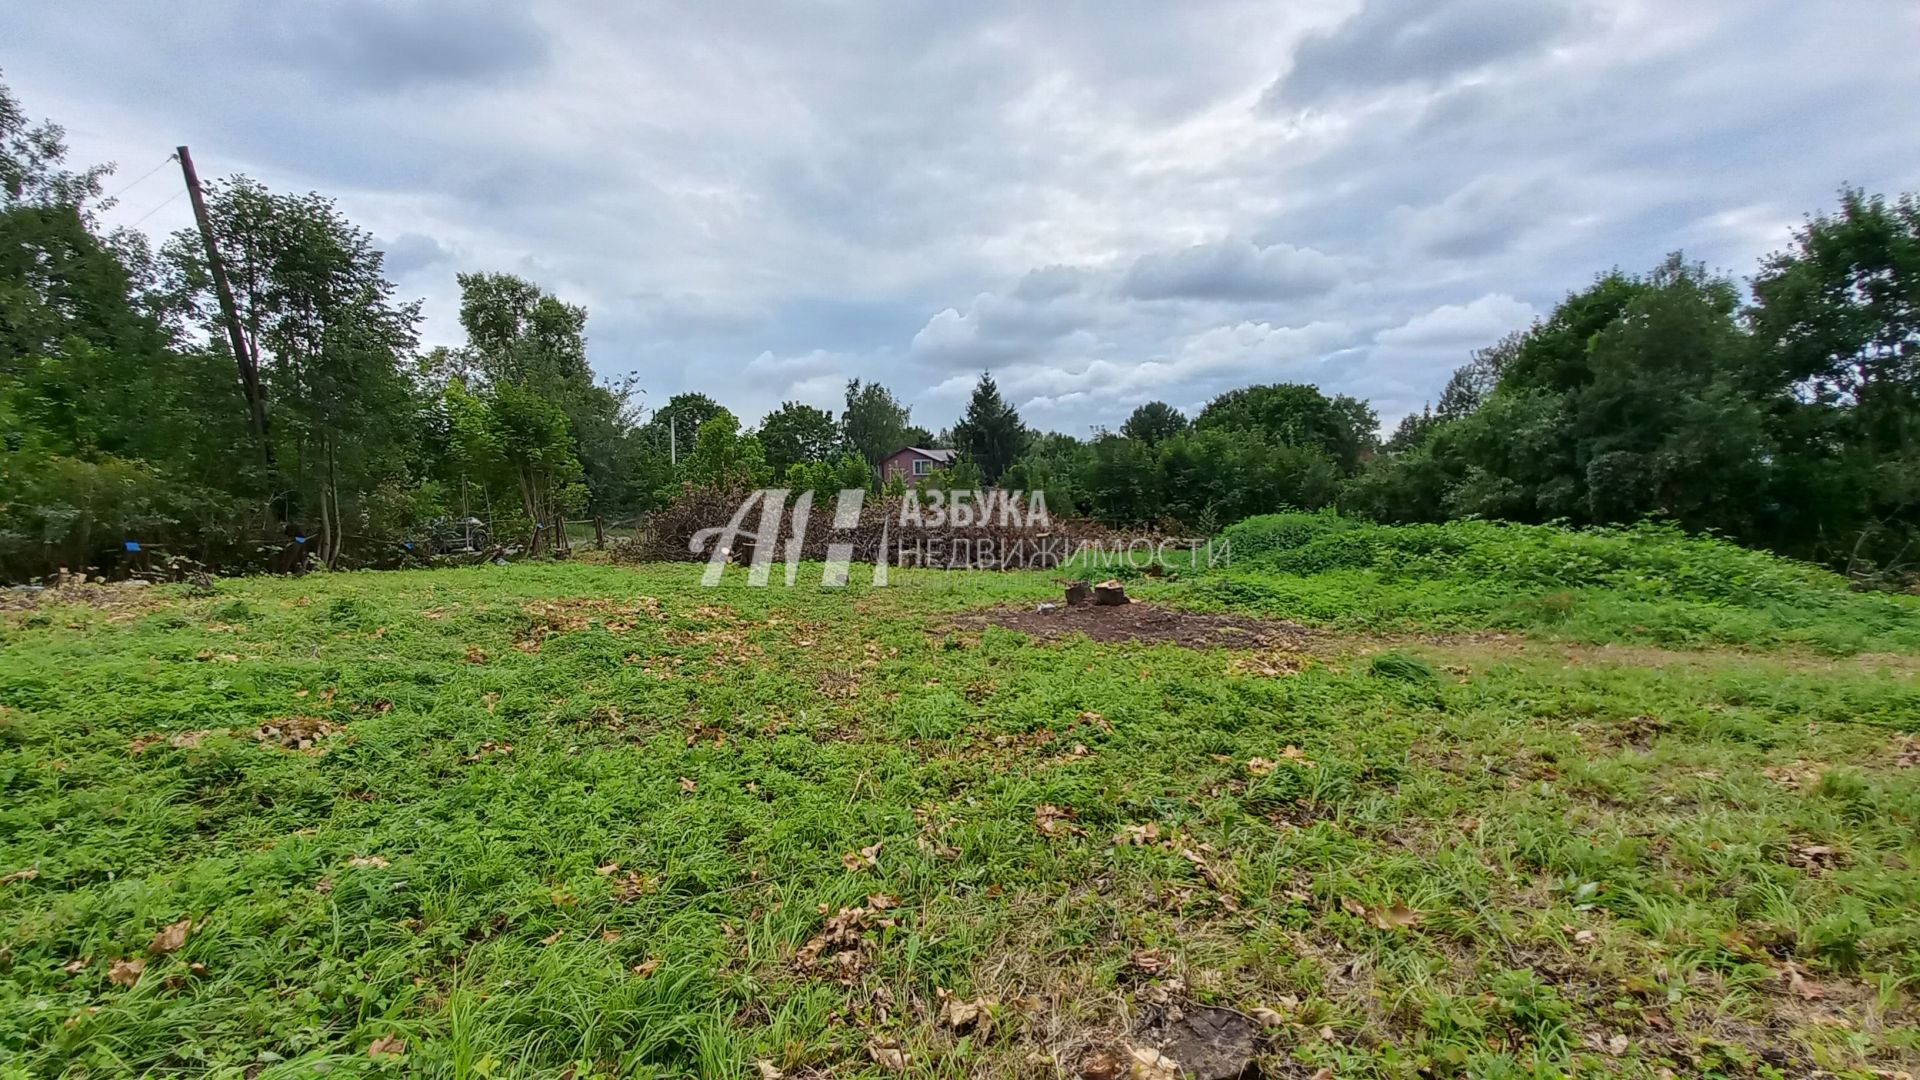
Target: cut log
x=1079, y=592
x=1110, y=593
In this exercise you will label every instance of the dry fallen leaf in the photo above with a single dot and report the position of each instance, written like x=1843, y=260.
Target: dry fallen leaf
x=645, y=969
x=767, y=1070
x=687, y=785
x=1054, y=820
x=553, y=937
x=1259, y=766
x=607, y=870
x=959, y=1014
x=1394, y=917
x=387, y=1044
x=1151, y=1064
x=126, y=972
x=75, y=967
x=170, y=938
x=27, y=874
x=610, y=935
x=1150, y=961
x=1269, y=1018
x=890, y=1058
x=1383, y=917
x=1801, y=986
x=1138, y=835
x=374, y=861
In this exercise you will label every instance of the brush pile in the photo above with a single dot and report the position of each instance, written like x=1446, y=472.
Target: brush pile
x=904, y=531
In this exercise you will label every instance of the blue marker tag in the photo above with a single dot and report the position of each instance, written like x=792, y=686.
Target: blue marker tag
x=538, y=527
x=299, y=539
x=409, y=545
x=133, y=545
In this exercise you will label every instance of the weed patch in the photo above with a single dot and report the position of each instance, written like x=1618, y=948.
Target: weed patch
x=809, y=833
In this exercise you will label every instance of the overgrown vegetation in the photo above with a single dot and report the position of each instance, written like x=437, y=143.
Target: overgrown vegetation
x=553, y=818
x=1784, y=416
x=1649, y=583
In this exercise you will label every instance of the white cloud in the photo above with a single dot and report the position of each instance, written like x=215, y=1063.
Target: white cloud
x=1460, y=326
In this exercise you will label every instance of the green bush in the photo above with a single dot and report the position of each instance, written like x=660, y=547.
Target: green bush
x=1257, y=537
x=1647, y=582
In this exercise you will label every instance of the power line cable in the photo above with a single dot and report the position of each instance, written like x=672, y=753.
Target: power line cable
x=157, y=209
x=170, y=158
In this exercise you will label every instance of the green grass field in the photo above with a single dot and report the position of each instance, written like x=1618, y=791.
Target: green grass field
x=585, y=820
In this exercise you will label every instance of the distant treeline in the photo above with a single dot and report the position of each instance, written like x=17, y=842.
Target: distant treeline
x=1784, y=419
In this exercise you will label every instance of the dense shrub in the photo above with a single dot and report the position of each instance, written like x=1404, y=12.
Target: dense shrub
x=1257, y=537
x=1649, y=559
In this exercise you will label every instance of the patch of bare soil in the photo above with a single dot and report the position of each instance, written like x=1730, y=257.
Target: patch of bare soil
x=1198, y=1042
x=1137, y=621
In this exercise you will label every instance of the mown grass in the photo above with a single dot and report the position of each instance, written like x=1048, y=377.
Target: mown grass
x=585, y=819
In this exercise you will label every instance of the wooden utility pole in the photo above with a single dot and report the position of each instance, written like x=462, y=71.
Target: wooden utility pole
x=230, y=314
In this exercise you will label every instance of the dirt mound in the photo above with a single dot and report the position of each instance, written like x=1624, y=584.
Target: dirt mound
x=1137, y=622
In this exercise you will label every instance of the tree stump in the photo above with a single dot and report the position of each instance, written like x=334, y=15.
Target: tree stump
x=1110, y=593
x=1078, y=592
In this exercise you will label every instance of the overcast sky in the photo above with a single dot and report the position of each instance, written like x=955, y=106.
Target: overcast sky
x=1104, y=202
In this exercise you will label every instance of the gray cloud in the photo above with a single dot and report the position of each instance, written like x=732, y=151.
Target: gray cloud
x=384, y=45
x=1231, y=269
x=1395, y=42
x=1105, y=203
x=411, y=252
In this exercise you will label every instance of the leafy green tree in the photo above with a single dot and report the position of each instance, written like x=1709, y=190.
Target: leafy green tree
x=1154, y=422
x=874, y=423
x=1472, y=382
x=518, y=333
x=725, y=459
x=333, y=346
x=109, y=430
x=1412, y=430
x=676, y=426
x=1054, y=463
x=1840, y=308
x=797, y=434
x=1837, y=317
x=1343, y=428
x=990, y=433
x=511, y=433
x=1121, y=482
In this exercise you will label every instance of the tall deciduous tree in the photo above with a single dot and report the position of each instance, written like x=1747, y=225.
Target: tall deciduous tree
x=1154, y=422
x=874, y=423
x=509, y=433
x=797, y=434
x=725, y=458
x=519, y=333
x=1343, y=428
x=333, y=342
